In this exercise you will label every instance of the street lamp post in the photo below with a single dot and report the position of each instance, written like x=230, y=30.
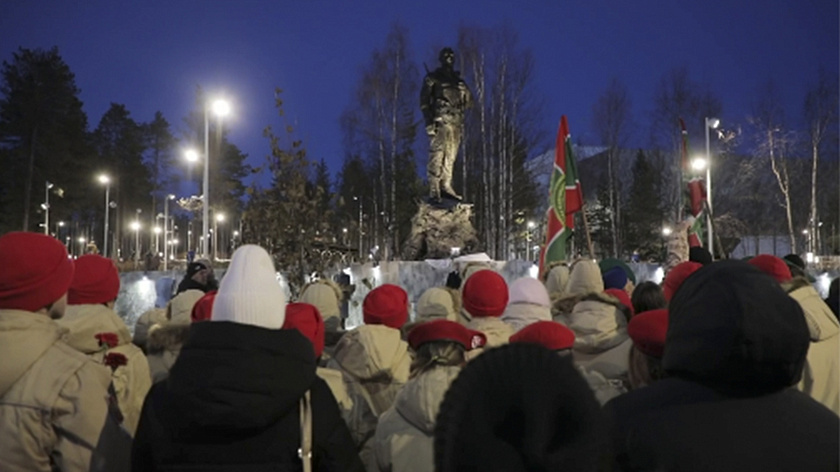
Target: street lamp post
x=82, y=245
x=360, y=226
x=104, y=179
x=46, y=207
x=166, y=230
x=220, y=108
x=711, y=123
x=218, y=219
x=135, y=225
x=59, y=224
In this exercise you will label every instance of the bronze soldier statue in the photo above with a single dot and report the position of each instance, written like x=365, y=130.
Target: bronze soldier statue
x=444, y=98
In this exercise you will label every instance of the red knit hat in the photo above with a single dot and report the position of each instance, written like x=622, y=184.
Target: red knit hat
x=677, y=275
x=35, y=271
x=772, y=266
x=445, y=330
x=622, y=297
x=485, y=294
x=549, y=334
x=306, y=319
x=647, y=330
x=95, y=281
x=203, y=308
x=386, y=305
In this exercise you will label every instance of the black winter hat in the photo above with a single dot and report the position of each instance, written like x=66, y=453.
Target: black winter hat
x=733, y=328
x=700, y=255
x=519, y=407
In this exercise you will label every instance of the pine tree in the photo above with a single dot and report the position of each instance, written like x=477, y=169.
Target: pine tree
x=42, y=138
x=644, y=213
x=120, y=145
x=284, y=218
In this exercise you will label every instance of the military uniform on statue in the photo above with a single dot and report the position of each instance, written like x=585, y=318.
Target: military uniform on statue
x=442, y=225
x=444, y=98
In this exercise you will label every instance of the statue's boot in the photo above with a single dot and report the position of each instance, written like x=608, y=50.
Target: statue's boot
x=447, y=190
x=434, y=192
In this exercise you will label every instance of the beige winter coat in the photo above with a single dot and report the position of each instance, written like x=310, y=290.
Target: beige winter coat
x=375, y=364
x=520, y=315
x=155, y=316
x=335, y=381
x=584, y=279
x=601, y=340
x=131, y=381
x=498, y=333
x=53, y=399
x=404, y=439
x=180, y=307
x=821, y=374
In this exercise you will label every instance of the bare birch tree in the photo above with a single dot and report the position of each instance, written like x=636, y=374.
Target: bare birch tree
x=610, y=119
x=820, y=111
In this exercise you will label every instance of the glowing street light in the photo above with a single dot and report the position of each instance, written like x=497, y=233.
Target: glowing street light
x=191, y=155
x=666, y=231
x=699, y=163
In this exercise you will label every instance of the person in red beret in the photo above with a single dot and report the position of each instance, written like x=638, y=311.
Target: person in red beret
x=558, y=338
x=484, y=299
x=676, y=276
x=54, y=411
x=404, y=437
x=647, y=330
x=375, y=362
x=90, y=313
x=821, y=376
x=306, y=318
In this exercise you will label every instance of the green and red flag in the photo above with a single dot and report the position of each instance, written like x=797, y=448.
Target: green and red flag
x=696, y=190
x=564, y=199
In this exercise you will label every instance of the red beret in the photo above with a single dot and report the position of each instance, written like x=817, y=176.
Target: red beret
x=772, y=266
x=96, y=280
x=203, y=308
x=445, y=330
x=677, y=275
x=306, y=319
x=35, y=272
x=549, y=334
x=647, y=330
x=386, y=305
x=485, y=294
x=622, y=297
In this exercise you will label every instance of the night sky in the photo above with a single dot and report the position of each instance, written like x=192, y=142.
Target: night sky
x=150, y=55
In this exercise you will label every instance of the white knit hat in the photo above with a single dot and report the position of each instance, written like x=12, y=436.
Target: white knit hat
x=528, y=290
x=249, y=292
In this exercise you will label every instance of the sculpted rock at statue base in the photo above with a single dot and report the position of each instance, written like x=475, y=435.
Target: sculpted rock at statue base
x=439, y=227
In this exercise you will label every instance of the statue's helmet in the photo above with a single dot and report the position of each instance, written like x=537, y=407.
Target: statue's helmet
x=447, y=55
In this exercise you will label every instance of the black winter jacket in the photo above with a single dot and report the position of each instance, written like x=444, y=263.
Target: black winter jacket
x=232, y=403
x=735, y=345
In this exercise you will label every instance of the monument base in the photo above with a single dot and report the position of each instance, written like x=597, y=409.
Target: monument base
x=437, y=228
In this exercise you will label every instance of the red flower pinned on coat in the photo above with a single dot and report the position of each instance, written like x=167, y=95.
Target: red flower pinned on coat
x=108, y=340
x=114, y=360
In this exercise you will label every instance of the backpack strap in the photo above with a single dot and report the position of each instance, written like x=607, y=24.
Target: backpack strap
x=305, y=451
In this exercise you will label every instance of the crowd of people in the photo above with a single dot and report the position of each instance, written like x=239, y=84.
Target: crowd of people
x=725, y=365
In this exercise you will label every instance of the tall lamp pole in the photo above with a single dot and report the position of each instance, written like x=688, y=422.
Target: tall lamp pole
x=46, y=206
x=166, y=230
x=220, y=108
x=104, y=179
x=711, y=123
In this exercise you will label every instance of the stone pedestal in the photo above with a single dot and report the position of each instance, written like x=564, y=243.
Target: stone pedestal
x=439, y=227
